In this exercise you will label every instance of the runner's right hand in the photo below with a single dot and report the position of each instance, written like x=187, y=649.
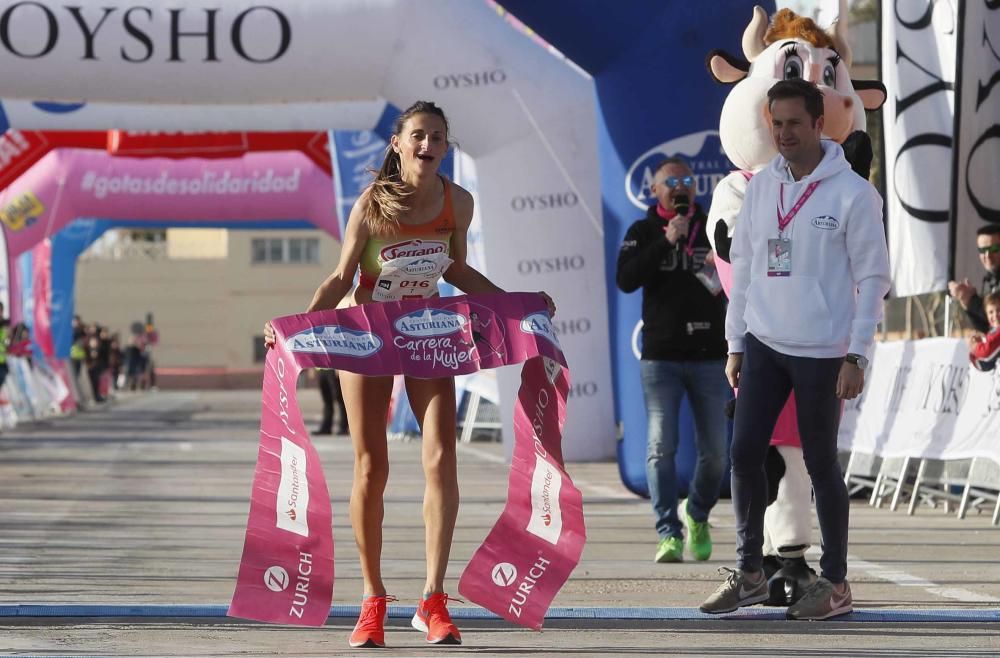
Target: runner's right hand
x=268, y=335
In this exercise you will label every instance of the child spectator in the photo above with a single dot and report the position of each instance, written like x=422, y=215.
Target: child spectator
x=985, y=349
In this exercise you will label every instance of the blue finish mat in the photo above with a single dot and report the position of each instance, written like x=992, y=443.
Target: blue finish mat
x=405, y=612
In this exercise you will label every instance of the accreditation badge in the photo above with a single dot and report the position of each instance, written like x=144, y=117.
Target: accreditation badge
x=779, y=257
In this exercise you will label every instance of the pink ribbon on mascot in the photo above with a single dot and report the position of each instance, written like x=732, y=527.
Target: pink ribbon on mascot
x=286, y=573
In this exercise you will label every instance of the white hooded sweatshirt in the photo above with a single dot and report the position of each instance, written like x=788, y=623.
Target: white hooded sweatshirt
x=831, y=303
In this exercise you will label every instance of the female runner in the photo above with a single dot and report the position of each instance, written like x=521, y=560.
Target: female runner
x=408, y=211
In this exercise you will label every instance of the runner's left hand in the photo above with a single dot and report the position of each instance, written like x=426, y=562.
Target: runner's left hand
x=548, y=302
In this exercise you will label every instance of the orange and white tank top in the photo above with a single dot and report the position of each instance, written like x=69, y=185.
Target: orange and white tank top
x=408, y=262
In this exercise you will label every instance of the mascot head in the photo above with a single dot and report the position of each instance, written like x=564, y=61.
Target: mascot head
x=791, y=47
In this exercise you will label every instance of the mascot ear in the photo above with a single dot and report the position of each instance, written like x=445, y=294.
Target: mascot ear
x=722, y=241
x=725, y=68
x=858, y=152
x=871, y=92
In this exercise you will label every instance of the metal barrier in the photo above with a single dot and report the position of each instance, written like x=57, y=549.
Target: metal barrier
x=971, y=483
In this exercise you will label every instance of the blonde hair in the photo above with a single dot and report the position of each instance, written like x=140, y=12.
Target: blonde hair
x=387, y=193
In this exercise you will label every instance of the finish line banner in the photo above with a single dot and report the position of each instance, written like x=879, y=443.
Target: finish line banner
x=286, y=573
x=922, y=399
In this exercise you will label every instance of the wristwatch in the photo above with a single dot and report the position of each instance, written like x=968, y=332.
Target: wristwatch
x=857, y=360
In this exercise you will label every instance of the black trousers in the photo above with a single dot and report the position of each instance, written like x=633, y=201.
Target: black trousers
x=766, y=379
x=329, y=391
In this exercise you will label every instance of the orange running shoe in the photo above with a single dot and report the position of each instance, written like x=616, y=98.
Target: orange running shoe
x=432, y=618
x=369, y=632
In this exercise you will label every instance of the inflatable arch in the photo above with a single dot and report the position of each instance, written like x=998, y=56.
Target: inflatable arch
x=68, y=244
x=523, y=113
x=656, y=100
x=258, y=190
x=71, y=183
x=21, y=149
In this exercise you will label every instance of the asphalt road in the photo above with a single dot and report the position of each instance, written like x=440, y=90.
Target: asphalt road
x=144, y=505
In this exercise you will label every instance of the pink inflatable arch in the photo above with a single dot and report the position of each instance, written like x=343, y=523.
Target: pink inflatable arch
x=71, y=183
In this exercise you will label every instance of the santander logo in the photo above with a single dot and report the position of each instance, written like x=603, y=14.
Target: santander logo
x=412, y=248
x=547, y=498
x=546, y=511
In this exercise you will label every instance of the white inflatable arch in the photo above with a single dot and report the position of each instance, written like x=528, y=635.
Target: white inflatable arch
x=526, y=116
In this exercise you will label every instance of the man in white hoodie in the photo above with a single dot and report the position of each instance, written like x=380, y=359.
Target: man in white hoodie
x=810, y=270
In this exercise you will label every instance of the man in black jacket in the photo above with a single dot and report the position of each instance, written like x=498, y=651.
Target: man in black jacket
x=667, y=254
x=988, y=246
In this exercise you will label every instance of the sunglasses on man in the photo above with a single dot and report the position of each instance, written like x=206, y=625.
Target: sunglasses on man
x=672, y=181
x=990, y=249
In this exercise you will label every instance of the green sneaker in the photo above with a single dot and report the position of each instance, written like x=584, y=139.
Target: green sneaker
x=699, y=537
x=670, y=549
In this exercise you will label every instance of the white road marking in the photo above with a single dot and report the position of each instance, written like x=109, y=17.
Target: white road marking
x=904, y=579
x=588, y=489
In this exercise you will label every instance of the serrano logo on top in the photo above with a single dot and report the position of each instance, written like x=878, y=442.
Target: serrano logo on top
x=334, y=339
x=538, y=323
x=411, y=248
x=430, y=322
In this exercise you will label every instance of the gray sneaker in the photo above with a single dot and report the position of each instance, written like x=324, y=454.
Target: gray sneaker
x=821, y=601
x=737, y=591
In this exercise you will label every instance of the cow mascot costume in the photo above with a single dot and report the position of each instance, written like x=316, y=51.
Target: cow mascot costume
x=791, y=47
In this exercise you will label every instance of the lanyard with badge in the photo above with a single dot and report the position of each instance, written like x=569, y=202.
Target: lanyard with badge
x=779, y=250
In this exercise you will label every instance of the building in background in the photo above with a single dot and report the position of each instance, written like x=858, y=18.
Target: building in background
x=209, y=290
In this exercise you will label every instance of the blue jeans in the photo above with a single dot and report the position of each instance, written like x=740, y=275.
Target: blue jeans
x=664, y=384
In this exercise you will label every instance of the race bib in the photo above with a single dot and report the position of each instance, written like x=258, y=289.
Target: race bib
x=410, y=277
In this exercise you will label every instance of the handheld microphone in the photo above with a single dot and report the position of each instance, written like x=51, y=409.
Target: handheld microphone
x=682, y=205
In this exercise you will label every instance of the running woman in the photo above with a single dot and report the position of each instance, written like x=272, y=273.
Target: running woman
x=408, y=215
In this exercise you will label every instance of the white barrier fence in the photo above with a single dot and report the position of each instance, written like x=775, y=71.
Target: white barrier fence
x=30, y=392
x=924, y=406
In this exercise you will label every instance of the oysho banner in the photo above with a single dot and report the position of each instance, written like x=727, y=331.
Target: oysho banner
x=918, y=67
x=923, y=400
x=286, y=573
x=977, y=137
